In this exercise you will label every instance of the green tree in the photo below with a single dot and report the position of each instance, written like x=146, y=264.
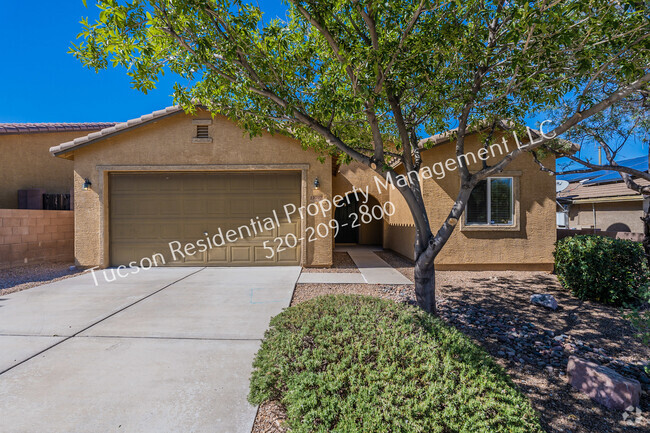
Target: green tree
x=366, y=79
x=612, y=131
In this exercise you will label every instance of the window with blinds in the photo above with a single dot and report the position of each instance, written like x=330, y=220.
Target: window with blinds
x=491, y=203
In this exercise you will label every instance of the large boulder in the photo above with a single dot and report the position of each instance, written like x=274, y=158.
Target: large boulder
x=603, y=384
x=547, y=301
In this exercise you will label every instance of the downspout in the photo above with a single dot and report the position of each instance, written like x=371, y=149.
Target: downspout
x=593, y=209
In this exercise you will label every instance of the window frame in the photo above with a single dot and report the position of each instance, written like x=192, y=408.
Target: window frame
x=514, y=177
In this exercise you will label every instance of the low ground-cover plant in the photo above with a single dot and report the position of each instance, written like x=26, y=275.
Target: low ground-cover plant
x=639, y=317
x=362, y=364
x=641, y=321
x=611, y=271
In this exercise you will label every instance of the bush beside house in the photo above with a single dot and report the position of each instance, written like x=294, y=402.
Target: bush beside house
x=611, y=271
x=353, y=363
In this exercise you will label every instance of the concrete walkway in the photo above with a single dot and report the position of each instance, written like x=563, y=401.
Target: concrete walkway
x=166, y=350
x=373, y=270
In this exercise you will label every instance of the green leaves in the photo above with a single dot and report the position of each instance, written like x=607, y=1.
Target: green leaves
x=610, y=271
x=314, y=74
x=361, y=364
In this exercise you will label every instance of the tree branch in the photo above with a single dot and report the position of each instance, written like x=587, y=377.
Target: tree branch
x=564, y=127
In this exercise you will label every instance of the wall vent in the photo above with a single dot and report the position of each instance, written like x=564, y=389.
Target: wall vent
x=202, y=131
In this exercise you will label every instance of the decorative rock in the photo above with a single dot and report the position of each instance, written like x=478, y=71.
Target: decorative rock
x=603, y=384
x=547, y=301
x=517, y=339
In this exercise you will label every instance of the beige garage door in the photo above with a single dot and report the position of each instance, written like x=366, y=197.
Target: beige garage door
x=148, y=211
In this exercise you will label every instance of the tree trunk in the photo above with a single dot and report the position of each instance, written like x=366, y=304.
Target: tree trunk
x=427, y=251
x=425, y=285
x=646, y=232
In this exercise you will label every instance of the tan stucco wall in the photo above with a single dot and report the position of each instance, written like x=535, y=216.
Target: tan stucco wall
x=27, y=163
x=357, y=175
x=607, y=215
x=529, y=246
x=167, y=144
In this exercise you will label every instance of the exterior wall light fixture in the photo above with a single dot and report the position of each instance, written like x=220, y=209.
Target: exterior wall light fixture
x=87, y=184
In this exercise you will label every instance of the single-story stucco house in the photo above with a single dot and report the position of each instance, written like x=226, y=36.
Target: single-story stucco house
x=180, y=189
x=601, y=200
x=26, y=162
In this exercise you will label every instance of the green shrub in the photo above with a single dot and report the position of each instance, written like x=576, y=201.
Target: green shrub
x=640, y=320
x=362, y=364
x=611, y=271
x=639, y=317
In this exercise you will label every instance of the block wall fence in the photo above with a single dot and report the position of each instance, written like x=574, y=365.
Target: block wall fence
x=35, y=236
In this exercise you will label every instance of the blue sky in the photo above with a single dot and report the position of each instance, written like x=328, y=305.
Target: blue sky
x=43, y=83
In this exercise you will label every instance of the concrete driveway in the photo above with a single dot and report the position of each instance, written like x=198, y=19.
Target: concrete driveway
x=165, y=350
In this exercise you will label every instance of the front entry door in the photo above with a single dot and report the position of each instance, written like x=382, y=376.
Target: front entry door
x=348, y=218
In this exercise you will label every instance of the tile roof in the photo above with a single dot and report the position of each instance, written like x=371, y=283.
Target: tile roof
x=31, y=128
x=580, y=191
x=503, y=125
x=113, y=129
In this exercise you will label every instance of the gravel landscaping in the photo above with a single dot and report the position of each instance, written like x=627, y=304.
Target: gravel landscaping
x=24, y=277
x=269, y=418
x=532, y=343
x=341, y=263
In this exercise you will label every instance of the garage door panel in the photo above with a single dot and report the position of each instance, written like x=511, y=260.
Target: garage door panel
x=192, y=230
x=153, y=185
x=241, y=206
x=240, y=254
x=289, y=255
x=147, y=211
x=148, y=204
x=167, y=230
x=122, y=231
x=263, y=183
x=127, y=207
x=143, y=255
x=194, y=259
x=241, y=182
x=164, y=208
x=263, y=208
x=194, y=206
x=145, y=231
x=285, y=185
x=261, y=255
x=288, y=228
x=266, y=235
x=218, y=255
x=193, y=183
x=215, y=209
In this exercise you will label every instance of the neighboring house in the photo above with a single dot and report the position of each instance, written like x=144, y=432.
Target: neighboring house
x=35, y=192
x=187, y=179
x=602, y=201
x=26, y=162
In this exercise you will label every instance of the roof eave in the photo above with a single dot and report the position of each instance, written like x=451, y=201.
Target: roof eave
x=78, y=143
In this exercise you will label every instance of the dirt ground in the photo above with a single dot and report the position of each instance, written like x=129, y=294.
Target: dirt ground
x=530, y=342
x=341, y=262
